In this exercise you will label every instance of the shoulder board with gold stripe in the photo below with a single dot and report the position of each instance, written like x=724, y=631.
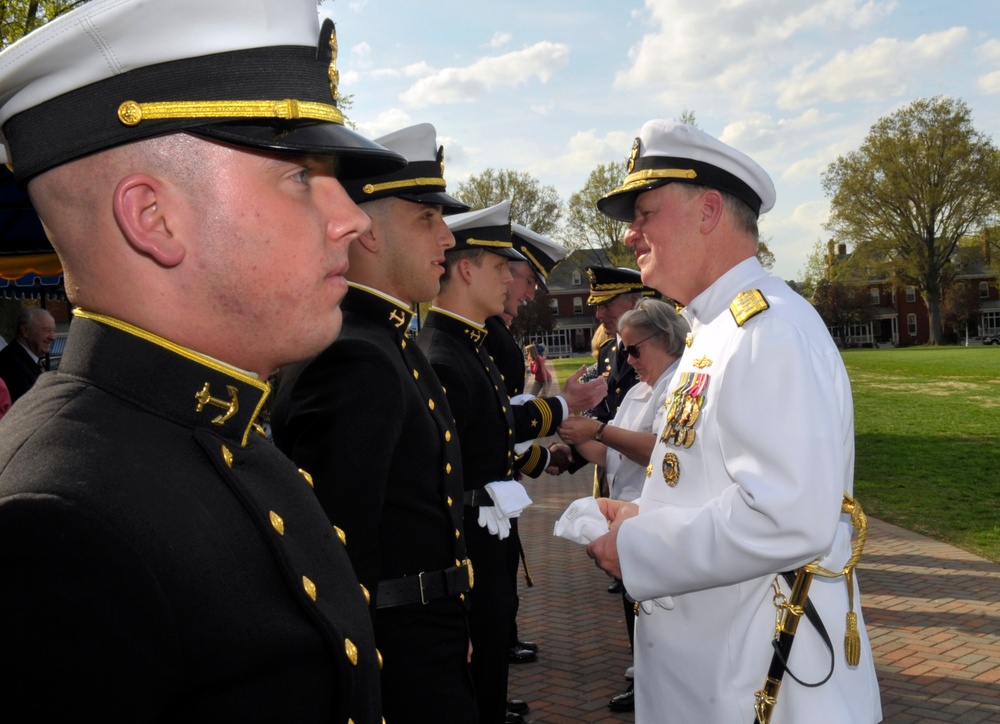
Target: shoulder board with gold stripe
x=747, y=305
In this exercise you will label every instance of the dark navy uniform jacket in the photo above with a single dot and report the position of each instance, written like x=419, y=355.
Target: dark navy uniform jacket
x=159, y=559
x=369, y=420
x=621, y=378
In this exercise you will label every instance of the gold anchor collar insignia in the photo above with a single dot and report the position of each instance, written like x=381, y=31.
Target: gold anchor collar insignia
x=397, y=317
x=231, y=406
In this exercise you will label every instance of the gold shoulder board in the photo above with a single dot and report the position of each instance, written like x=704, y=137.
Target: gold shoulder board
x=747, y=305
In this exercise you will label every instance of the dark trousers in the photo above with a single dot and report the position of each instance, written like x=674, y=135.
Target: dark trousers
x=491, y=613
x=425, y=676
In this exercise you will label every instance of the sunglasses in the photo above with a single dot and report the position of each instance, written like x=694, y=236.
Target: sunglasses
x=632, y=350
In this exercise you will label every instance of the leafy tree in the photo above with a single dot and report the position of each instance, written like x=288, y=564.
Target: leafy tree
x=531, y=204
x=764, y=255
x=535, y=317
x=960, y=307
x=687, y=117
x=20, y=17
x=842, y=305
x=588, y=228
x=923, y=178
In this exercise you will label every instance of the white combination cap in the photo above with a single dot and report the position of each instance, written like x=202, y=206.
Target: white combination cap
x=487, y=229
x=421, y=181
x=255, y=73
x=541, y=252
x=670, y=152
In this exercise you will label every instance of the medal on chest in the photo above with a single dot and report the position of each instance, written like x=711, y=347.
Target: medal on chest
x=684, y=409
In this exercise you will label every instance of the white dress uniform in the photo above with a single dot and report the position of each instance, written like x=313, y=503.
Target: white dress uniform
x=642, y=410
x=758, y=491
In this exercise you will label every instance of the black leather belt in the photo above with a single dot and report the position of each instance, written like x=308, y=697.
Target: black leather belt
x=425, y=587
x=477, y=498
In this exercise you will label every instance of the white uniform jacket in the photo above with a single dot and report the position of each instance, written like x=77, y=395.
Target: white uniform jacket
x=758, y=491
x=642, y=410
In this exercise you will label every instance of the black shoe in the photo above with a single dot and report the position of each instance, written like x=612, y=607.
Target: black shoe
x=615, y=587
x=521, y=656
x=518, y=706
x=529, y=645
x=623, y=702
x=513, y=718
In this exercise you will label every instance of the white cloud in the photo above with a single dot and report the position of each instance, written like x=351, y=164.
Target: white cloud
x=413, y=70
x=464, y=85
x=989, y=83
x=542, y=109
x=584, y=151
x=499, y=40
x=361, y=51
x=695, y=45
x=884, y=68
x=988, y=51
x=386, y=122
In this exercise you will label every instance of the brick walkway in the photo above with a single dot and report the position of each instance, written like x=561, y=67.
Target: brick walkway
x=933, y=615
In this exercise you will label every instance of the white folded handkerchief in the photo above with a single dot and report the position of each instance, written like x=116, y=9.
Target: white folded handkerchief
x=509, y=497
x=583, y=522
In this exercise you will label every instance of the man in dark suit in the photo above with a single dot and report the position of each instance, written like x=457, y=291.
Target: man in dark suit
x=369, y=419
x=473, y=288
x=541, y=256
x=24, y=359
x=159, y=559
x=614, y=291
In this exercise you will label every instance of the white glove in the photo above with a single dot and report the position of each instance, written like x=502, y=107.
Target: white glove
x=583, y=522
x=496, y=525
x=509, y=497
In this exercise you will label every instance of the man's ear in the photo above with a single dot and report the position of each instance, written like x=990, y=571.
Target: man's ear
x=143, y=215
x=464, y=269
x=369, y=240
x=712, y=206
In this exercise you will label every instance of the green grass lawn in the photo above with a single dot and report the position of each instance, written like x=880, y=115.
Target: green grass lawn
x=927, y=425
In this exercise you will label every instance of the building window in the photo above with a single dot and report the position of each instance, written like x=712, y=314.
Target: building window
x=874, y=295
x=576, y=277
x=894, y=296
x=911, y=323
x=911, y=295
x=990, y=322
x=554, y=306
x=984, y=290
x=578, y=306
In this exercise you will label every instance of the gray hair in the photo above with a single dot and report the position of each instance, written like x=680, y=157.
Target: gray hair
x=742, y=216
x=653, y=318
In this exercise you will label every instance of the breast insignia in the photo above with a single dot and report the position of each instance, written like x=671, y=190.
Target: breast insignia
x=747, y=305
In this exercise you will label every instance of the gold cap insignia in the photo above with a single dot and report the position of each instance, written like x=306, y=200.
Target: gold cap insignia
x=334, y=74
x=633, y=156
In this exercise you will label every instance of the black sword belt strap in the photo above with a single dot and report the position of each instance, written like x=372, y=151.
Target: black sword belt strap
x=478, y=498
x=425, y=587
x=779, y=662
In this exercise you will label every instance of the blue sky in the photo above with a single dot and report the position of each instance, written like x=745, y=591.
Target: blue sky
x=554, y=87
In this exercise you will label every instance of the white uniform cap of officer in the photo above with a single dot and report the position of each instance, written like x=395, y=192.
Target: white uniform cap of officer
x=422, y=179
x=487, y=229
x=670, y=152
x=253, y=73
x=541, y=252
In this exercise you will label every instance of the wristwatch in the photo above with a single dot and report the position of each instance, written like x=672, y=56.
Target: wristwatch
x=600, y=431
